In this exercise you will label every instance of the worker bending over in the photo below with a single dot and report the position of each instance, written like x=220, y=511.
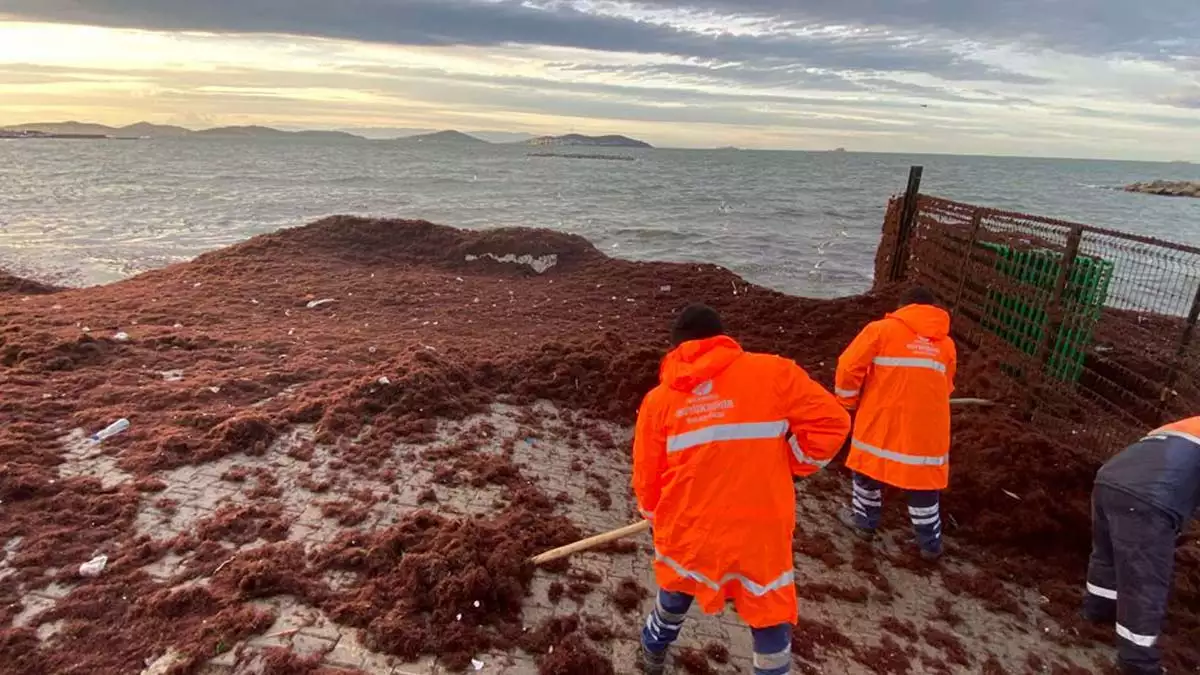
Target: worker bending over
x=715, y=448
x=1143, y=499
x=898, y=374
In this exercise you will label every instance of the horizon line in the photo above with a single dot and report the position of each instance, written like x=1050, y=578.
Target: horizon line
x=531, y=136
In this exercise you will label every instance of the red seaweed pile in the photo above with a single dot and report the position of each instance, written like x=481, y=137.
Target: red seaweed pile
x=374, y=330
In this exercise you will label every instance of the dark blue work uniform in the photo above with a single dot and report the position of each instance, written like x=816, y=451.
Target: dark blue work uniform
x=1143, y=499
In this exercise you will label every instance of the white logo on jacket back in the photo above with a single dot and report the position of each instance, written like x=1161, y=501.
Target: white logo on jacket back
x=704, y=404
x=925, y=346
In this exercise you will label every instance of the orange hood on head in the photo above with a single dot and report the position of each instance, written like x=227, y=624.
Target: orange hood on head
x=697, y=361
x=924, y=320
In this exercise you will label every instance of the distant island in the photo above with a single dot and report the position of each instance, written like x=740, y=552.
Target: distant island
x=1167, y=188
x=590, y=141
x=448, y=137
x=268, y=132
x=570, y=155
x=7, y=133
x=146, y=130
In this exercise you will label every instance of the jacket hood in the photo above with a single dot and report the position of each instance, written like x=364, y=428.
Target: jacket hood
x=698, y=361
x=924, y=320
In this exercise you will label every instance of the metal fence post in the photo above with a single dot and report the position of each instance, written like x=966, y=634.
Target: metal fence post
x=1185, y=342
x=1054, y=311
x=907, y=216
x=968, y=256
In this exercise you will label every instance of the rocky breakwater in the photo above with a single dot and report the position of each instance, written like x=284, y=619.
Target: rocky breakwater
x=1167, y=188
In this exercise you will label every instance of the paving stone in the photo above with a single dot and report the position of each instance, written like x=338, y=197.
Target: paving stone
x=711, y=629
x=271, y=639
x=624, y=656
x=374, y=662
x=49, y=630
x=306, y=645
x=164, y=664
x=34, y=605
x=344, y=655
x=299, y=532
x=211, y=499
x=323, y=629
x=226, y=659
x=200, y=490
x=166, y=567
x=56, y=590
x=424, y=666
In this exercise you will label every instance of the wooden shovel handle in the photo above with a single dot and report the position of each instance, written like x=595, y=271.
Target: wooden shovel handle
x=590, y=542
x=971, y=401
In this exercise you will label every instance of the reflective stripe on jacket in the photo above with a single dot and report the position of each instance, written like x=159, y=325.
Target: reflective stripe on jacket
x=716, y=445
x=1188, y=430
x=899, y=374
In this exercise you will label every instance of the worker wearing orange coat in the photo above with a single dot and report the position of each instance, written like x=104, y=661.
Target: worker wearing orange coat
x=898, y=375
x=716, y=446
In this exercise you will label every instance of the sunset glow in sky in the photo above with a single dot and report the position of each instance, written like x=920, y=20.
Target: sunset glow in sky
x=1088, y=78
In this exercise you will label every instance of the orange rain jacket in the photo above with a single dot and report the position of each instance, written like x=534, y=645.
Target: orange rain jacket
x=1188, y=430
x=899, y=374
x=716, y=445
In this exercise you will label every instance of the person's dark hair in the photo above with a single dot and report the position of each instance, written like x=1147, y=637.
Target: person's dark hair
x=918, y=295
x=696, y=322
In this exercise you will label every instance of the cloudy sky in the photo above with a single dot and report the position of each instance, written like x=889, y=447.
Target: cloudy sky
x=1085, y=78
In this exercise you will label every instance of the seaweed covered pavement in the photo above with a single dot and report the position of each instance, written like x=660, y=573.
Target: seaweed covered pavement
x=347, y=439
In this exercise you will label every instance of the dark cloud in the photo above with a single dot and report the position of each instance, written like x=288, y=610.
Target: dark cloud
x=1157, y=29
x=505, y=22
x=1187, y=99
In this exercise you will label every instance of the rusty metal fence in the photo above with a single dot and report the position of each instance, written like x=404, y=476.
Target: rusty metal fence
x=1087, y=328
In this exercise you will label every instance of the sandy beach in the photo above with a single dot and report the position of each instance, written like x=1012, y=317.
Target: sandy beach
x=346, y=439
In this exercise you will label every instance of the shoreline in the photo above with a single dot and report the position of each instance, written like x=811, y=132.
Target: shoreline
x=343, y=414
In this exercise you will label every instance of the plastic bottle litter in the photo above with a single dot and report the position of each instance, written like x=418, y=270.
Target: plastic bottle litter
x=121, y=337
x=93, y=567
x=111, y=430
x=317, y=303
x=477, y=664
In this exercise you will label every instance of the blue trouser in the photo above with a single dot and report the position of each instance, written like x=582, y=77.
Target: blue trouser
x=923, y=509
x=772, y=646
x=1130, y=574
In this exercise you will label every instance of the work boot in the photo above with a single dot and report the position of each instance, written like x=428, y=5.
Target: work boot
x=1140, y=669
x=651, y=663
x=931, y=556
x=846, y=517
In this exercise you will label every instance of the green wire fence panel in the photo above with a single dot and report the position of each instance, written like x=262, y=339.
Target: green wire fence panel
x=1020, y=316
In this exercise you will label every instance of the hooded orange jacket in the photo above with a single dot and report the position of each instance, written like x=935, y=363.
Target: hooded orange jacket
x=716, y=445
x=899, y=374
